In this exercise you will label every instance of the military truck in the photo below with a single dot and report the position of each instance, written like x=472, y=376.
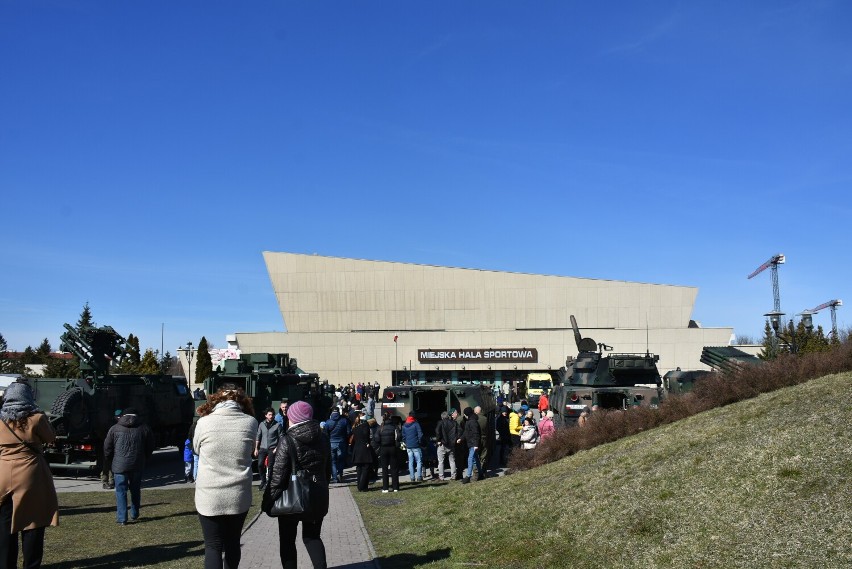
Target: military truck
x=429, y=400
x=270, y=379
x=616, y=381
x=81, y=410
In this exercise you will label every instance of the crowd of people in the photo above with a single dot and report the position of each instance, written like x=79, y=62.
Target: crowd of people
x=222, y=445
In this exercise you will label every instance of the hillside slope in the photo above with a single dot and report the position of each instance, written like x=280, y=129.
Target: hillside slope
x=762, y=483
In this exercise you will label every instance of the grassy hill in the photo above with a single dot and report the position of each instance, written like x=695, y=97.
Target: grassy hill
x=762, y=483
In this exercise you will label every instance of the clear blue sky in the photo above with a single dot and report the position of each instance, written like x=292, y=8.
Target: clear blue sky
x=150, y=151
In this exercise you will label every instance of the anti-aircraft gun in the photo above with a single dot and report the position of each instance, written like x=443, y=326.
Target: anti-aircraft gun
x=614, y=381
x=82, y=410
x=270, y=379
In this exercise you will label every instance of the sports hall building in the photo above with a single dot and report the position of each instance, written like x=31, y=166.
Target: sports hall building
x=351, y=320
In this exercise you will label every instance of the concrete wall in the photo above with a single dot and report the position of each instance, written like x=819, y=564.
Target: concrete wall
x=341, y=316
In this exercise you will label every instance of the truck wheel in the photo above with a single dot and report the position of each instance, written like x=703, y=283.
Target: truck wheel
x=72, y=409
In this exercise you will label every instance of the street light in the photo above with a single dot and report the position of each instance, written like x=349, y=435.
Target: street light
x=189, y=363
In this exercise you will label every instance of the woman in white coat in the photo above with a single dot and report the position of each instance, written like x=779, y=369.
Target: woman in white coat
x=224, y=442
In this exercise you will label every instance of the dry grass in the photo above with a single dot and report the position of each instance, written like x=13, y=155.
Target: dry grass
x=711, y=392
x=167, y=536
x=762, y=483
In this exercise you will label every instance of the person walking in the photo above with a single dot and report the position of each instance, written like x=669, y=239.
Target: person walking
x=387, y=439
x=362, y=452
x=446, y=434
x=338, y=428
x=224, y=441
x=309, y=446
x=28, y=500
x=265, y=444
x=128, y=444
x=472, y=435
x=412, y=436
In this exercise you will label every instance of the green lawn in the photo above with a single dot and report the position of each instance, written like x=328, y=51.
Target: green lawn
x=167, y=535
x=762, y=483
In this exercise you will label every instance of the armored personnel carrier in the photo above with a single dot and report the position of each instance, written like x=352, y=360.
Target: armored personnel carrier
x=429, y=400
x=82, y=410
x=270, y=379
x=615, y=381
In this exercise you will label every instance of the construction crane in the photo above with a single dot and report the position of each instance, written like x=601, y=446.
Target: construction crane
x=832, y=304
x=772, y=264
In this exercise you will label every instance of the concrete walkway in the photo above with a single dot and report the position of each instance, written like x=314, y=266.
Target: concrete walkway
x=347, y=544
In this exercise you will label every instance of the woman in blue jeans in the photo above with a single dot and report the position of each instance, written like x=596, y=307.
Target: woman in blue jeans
x=412, y=435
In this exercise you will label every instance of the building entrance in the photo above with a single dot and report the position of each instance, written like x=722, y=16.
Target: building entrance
x=512, y=383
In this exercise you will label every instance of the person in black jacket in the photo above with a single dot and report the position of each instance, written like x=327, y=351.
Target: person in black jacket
x=472, y=433
x=362, y=452
x=446, y=435
x=313, y=454
x=128, y=444
x=387, y=439
x=504, y=441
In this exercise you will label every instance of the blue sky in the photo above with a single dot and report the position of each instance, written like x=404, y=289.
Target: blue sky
x=150, y=151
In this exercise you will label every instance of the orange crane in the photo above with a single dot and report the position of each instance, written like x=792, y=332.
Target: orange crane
x=772, y=264
x=832, y=304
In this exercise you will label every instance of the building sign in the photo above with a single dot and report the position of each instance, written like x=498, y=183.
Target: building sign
x=477, y=355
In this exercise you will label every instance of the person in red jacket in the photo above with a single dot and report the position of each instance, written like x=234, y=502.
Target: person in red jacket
x=543, y=405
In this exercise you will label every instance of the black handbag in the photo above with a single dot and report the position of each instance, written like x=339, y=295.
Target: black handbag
x=305, y=498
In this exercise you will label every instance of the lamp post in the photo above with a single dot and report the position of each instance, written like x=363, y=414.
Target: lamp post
x=189, y=362
x=788, y=334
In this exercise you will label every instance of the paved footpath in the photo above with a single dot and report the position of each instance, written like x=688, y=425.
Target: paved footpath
x=347, y=544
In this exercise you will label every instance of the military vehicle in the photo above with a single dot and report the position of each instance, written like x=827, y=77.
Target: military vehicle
x=429, y=400
x=82, y=410
x=270, y=379
x=616, y=381
x=678, y=382
x=720, y=358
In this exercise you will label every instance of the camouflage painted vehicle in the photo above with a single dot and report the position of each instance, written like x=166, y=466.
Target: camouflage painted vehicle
x=270, y=379
x=616, y=381
x=82, y=410
x=720, y=358
x=677, y=382
x=428, y=400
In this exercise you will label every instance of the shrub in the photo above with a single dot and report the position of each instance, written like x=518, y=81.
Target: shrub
x=715, y=390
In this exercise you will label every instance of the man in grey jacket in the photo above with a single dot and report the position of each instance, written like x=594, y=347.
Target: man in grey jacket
x=128, y=444
x=265, y=444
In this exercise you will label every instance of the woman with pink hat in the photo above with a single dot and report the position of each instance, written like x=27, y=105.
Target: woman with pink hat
x=311, y=448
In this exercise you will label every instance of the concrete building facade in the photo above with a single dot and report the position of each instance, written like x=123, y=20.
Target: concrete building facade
x=352, y=320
